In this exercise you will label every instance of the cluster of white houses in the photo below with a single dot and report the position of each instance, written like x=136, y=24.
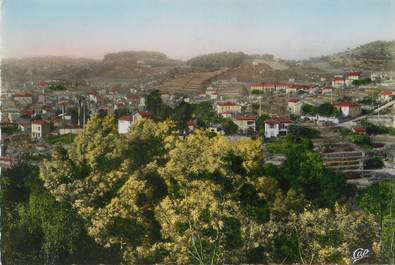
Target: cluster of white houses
x=349, y=108
x=245, y=121
x=274, y=127
x=341, y=81
x=267, y=87
x=338, y=81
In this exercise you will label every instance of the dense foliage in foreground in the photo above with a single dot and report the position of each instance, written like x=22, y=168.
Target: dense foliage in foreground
x=151, y=197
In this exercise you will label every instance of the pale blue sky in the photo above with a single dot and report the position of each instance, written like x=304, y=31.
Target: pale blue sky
x=185, y=28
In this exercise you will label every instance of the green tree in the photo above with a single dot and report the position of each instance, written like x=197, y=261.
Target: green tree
x=109, y=180
x=37, y=229
x=154, y=103
x=308, y=109
x=374, y=163
x=326, y=237
x=229, y=126
x=205, y=114
x=326, y=109
x=260, y=123
x=181, y=114
x=379, y=200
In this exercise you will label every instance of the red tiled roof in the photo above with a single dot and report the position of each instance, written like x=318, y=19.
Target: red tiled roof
x=293, y=100
x=40, y=122
x=338, y=79
x=5, y=158
x=226, y=103
x=386, y=93
x=145, y=114
x=349, y=104
x=42, y=84
x=354, y=73
x=132, y=97
x=358, y=130
x=23, y=94
x=126, y=118
x=245, y=117
x=27, y=113
x=278, y=120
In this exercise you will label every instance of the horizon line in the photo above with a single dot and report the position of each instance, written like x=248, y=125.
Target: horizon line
x=101, y=57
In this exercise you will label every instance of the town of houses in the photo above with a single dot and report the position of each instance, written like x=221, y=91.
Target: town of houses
x=36, y=112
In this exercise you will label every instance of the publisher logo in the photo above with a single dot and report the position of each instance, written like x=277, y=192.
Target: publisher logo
x=359, y=254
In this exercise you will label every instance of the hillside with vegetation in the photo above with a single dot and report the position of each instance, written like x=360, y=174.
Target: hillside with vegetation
x=215, y=61
x=122, y=65
x=375, y=56
x=41, y=68
x=378, y=55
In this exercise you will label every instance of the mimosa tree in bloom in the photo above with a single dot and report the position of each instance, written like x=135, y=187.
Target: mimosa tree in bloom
x=155, y=197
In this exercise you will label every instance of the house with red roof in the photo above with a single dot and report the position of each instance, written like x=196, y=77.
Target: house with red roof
x=40, y=129
x=24, y=126
x=385, y=96
x=245, y=122
x=119, y=105
x=348, y=108
x=93, y=96
x=132, y=100
x=263, y=87
x=277, y=126
x=326, y=90
x=227, y=106
x=142, y=115
x=30, y=113
x=42, y=84
x=295, y=106
x=124, y=124
x=23, y=98
x=354, y=75
x=338, y=81
x=6, y=162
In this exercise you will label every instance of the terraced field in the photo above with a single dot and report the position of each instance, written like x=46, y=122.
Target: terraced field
x=191, y=83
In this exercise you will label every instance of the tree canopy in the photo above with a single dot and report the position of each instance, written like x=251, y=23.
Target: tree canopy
x=215, y=61
x=153, y=197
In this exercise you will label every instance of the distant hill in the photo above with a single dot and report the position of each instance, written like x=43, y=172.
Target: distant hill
x=375, y=56
x=141, y=57
x=150, y=65
x=378, y=55
x=122, y=65
x=48, y=67
x=215, y=61
x=134, y=56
